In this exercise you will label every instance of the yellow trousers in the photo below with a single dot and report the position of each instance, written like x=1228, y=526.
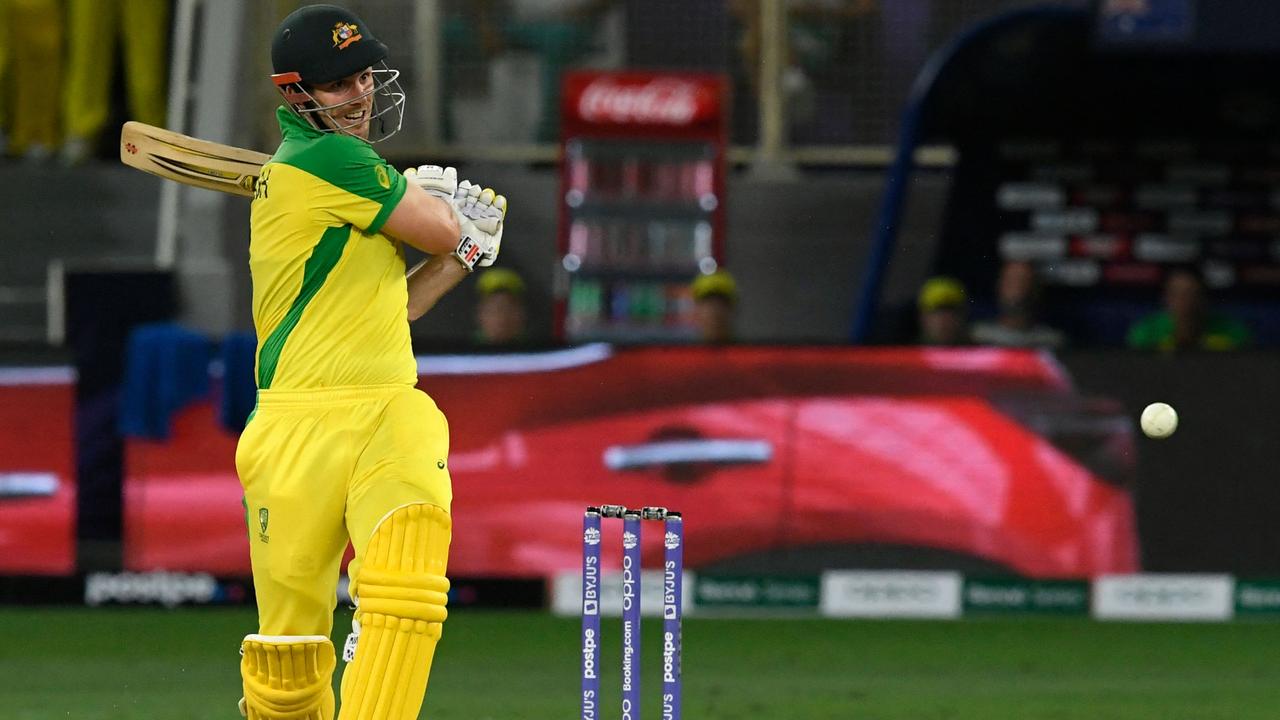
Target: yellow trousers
x=93, y=28
x=5, y=50
x=321, y=467
x=33, y=36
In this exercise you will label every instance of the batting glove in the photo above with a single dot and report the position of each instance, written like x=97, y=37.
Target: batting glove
x=482, y=214
x=479, y=212
x=442, y=182
x=481, y=235
x=488, y=210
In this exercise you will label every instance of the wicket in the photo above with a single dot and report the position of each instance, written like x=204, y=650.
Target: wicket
x=672, y=595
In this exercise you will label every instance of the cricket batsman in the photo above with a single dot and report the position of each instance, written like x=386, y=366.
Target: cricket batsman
x=342, y=445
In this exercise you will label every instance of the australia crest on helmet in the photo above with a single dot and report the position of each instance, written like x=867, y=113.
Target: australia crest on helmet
x=345, y=33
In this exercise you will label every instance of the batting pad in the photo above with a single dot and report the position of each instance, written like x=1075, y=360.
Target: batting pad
x=401, y=593
x=287, y=677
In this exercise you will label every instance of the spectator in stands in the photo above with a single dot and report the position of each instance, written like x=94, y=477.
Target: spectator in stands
x=715, y=297
x=6, y=44
x=1187, y=322
x=94, y=28
x=33, y=76
x=501, y=316
x=943, y=308
x=1017, y=321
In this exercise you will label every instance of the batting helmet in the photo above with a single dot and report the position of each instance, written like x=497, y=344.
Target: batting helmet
x=318, y=44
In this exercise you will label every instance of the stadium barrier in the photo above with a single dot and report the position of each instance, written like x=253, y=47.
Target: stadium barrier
x=1164, y=597
x=851, y=594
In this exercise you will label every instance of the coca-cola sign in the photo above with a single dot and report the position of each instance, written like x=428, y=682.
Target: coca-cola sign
x=654, y=101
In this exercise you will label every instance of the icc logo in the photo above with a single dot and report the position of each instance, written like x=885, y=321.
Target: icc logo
x=591, y=536
x=629, y=540
x=672, y=541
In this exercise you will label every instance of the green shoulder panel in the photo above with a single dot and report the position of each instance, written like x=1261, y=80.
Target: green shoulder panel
x=347, y=163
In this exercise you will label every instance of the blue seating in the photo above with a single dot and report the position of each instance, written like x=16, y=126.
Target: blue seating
x=166, y=368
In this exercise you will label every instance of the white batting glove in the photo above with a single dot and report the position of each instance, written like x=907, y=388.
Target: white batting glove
x=475, y=243
x=441, y=182
x=487, y=210
x=492, y=206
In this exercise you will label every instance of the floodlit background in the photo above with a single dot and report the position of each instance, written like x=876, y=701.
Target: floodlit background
x=873, y=291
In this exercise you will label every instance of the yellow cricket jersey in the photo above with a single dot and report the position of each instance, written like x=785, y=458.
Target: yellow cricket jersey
x=329, y=292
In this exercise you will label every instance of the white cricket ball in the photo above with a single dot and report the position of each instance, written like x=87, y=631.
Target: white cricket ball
x=1159, y=420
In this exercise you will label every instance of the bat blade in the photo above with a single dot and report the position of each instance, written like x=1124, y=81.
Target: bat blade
x=191, y=161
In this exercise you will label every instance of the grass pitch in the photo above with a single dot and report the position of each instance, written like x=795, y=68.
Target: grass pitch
x=136, y=664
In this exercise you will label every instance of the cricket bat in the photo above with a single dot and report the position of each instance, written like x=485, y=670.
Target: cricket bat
x=189, y=160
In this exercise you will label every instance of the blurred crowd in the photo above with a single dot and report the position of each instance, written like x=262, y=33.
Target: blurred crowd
x=58, y=67
x=72, y=66
x=1185, y=319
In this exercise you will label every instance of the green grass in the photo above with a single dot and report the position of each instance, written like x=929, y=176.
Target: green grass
x=134, y=664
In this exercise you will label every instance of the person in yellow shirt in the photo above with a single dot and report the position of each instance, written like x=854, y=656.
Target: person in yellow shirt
x=341, y=445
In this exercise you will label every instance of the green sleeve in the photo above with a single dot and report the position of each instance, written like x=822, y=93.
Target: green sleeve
x=351, y=165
